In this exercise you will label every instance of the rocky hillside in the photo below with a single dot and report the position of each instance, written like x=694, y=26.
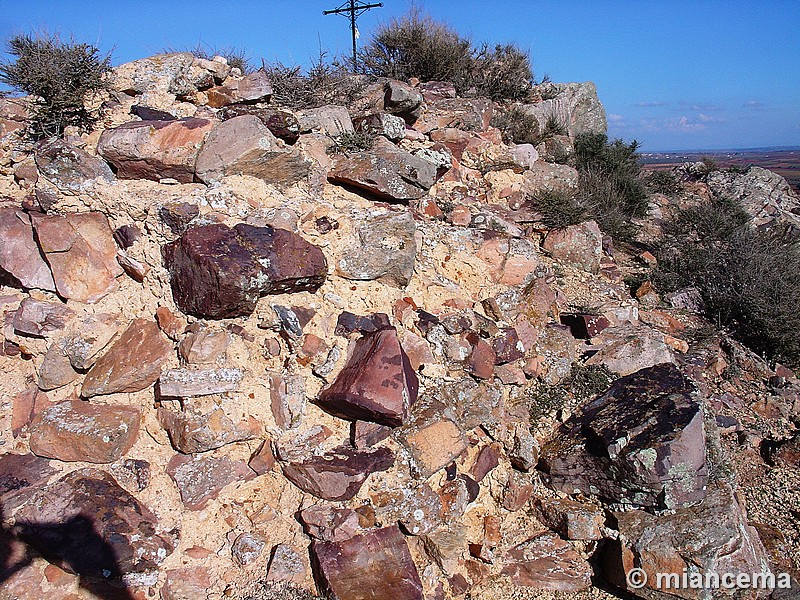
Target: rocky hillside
x=253, y=352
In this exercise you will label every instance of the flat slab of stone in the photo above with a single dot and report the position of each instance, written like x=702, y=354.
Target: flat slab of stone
x=377, y=384
x=201, y=478
x=385, y=171
x=375, y=565
x=132, y=363
x=220, y=272
x=40, y=318
x=245, y=146
x=184, y=383
x=87, y=524
x=195, y=429
x=20, y=254
x=81, y=253
x=78, y=431
x=546, y=562
x=339, y=474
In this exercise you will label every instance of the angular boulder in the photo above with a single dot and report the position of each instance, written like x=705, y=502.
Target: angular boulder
x=328, y=120
x=282, y=123
x=339, y=474
x=81, y=253
x=245, y=146
x=87, y=524
x=574, y=105
x=155, y=149
x=39, y=318
x=375, y=565
x=377, y=384
x=217, y=272
x=20, y=254
x=579, y=245
x=254, y=87
x=643, y=443
x=197, y=429
x=78, y=431
x=471, y=114
x=385, y=250
x=712, y=537
x=69, y=167
x=385, y=171
x=132, y=363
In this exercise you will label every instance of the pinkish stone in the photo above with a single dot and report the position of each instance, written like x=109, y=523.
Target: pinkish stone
x=377, y=384
x=19, y=252
x=81, y=252
x=155, y=149
x=78, y=431
x=132, y=363
x=546, y=562
x=201, y=478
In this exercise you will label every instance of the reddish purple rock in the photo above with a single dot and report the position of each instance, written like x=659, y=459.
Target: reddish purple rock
x=377, y=384
x=87, y=524
x=339, y=474
x=218, y=272
x=367, y=567
x=584, y=326
x=642, y=442
x=20, y=476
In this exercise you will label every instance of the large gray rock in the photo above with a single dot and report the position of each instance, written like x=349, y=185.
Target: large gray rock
x=384, y=249
x=174, y=73
x=643, y=443
x=765, y=195
x=385, y=171
x=245, y=146
x=575, y=105
x=69, y=167
x=329, y=120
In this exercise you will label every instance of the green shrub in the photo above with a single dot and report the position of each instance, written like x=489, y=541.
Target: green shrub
x=749, y=278
x=662, y=182
x=236, y=57
x=516, y=125
x=326, y=82
x=415, y=45
x=60, y=77
x=560, y=209
x=501, y=73
x=610, y=185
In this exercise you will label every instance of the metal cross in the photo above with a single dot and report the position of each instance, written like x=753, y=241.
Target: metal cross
x=352, y=9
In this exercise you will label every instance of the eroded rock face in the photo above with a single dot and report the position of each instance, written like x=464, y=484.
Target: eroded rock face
x=245, y=146
x=79, y=431
x=711, y=537
x=81, y=253
x=132, y=363
x=642, y=442
x=380, y=557
x=20, y=254
x=218, y=272
x=575, y=105
x=87, y=524
x=386, y=171
x=339, y=474
x=155, y=149
x=377, y=384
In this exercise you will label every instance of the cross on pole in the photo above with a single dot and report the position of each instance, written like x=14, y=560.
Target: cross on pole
x=354, y=8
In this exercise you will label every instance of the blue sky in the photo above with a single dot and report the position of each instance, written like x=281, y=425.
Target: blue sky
x=673, y=74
